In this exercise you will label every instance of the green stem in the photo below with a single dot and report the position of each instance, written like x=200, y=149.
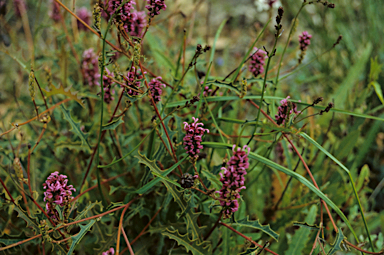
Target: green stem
x=286, y=45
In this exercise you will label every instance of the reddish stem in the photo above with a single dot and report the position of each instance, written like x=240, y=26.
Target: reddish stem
x=246, y=237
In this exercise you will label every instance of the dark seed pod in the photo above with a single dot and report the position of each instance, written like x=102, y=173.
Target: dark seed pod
x=187, y=181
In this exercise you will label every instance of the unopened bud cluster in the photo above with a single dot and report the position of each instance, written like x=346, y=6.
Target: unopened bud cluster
x=154, y=7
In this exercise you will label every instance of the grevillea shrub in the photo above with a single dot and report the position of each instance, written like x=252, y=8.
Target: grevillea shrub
x=191, y=127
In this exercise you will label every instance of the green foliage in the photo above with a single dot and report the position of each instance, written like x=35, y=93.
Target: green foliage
x=76, y=239
x=301, y=236
x=256, y=225
x=196, y=247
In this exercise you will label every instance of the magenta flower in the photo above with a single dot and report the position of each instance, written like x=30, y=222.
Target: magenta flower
x=85, y=15
x=90, y=68
x=285, y=109
x=193, y=138
x=111, y=251
x=257, y=62
x=107, y=84
x=134, y=79
x=304, y=40
x=207, y=91
x=55, y=12
x=233, y=180
x=154, y=7
x=155, y=88
x=139, y=22
x=123, y=14
x=57, y=192
x=20, y=7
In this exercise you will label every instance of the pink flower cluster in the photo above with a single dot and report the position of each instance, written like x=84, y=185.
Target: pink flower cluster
x=257, y=62
x=85, y=16
x=111, y=251
x=193, y=138
x=304, y=40
x=123, y=14
x=55, y=11
x=233, y=180
x=134, y=79
x=284, y=110
x=139, y=22
x=154, y=7
x=90, y=68
x=206, y=91
x=57, y=192
x=107, y=84
x=155, y=88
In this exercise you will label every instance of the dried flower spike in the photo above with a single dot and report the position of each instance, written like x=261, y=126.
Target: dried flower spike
x=193, y=138
x=233, y=180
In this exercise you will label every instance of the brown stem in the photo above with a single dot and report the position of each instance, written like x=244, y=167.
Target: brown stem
x=359, y=249
x=121, y=226
x=67, y=224
x=127, y=241
x=6, y=189
x=149, y=223
x=246, y=237
x=26, y=122
x=302, y=160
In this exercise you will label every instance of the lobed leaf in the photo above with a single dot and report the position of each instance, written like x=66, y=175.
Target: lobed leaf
x=256, y=225
x=194, y=246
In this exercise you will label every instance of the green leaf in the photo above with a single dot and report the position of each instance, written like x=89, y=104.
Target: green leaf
x=155, y=169
x=23, y=214
x=193, y=246
x=336, y=246
x=306, y=225
x=75, y=127
x=113, y=124
x=347, y=144
x=225, y=85
x=378, y=91
x=340, y=95
x=62, y=91
x=164, y=173
x=256, y=225
x=76, y=239
x=301, y=236
x=308, y=138
x=375, y=69
x=215, y=40
x=295, y=175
